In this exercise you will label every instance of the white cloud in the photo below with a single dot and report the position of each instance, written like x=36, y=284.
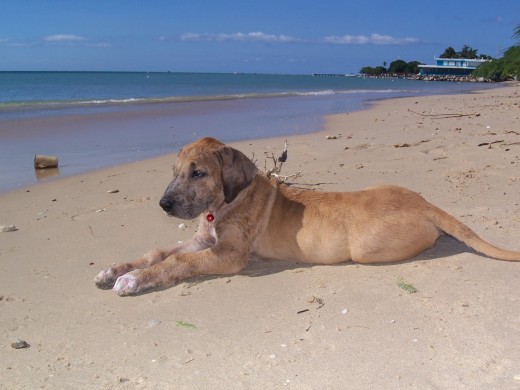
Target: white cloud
x=63, y=38
x=67, y=40
x=256, y=36
x=388, y=40
x=375, y=39
x=8, y=42
x=348, y=39
x=100, y=44
x=188, y=37
x=72, y=40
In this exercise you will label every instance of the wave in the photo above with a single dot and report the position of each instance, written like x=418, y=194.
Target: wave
x=56, y=104
x=327, y=92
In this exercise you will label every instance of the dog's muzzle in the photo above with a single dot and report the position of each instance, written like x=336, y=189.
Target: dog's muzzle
x=166, y=204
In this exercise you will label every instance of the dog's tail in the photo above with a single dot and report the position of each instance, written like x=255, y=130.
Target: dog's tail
x=453, y=227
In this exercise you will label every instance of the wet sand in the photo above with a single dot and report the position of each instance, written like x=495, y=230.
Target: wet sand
x=92, y=136
x=96, y=138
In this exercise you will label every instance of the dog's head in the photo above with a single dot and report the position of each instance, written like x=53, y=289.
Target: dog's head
x=207, y=173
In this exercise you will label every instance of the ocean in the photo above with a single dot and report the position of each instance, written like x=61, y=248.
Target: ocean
x=92, y=120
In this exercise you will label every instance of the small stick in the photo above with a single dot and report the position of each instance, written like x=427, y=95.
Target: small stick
x=275, y=171
x=443, y=116
x=283, y=156
x=282, y=178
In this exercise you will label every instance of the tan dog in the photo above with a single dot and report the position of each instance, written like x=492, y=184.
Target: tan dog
x=244, y=213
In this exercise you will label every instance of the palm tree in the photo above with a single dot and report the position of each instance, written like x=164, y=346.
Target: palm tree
x=516, y=34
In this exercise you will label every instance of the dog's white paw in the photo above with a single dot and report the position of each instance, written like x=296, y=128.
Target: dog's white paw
x=105, y=279
x=127, y=284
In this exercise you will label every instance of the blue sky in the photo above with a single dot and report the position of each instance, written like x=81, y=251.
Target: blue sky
x=282, y=36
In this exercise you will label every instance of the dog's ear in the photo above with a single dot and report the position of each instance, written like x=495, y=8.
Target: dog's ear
x=237, y=172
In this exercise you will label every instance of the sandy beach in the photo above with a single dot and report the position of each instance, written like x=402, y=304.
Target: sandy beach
x=277, y=324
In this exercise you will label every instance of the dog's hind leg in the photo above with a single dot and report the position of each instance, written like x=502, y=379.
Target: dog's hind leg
x=401, y=241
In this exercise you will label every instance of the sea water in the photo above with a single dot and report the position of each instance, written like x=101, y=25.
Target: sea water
x=29, y=94
x=96, y=119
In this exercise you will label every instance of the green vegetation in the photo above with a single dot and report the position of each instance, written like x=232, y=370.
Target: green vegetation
x=377, y=71
x=408, y=287
x=467, y=52
x=182, y=324
x=400, y=66
x=412, y=68
x=505, y=68
x=396, y=67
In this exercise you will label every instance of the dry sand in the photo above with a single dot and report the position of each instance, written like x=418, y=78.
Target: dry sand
x=279, y=325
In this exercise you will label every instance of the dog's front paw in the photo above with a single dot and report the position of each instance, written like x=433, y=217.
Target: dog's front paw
x=127, y=284
x=106, y=278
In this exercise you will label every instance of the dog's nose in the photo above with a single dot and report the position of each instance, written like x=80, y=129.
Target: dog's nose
x=166, y=204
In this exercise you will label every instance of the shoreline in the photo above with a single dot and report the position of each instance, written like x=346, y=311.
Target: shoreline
x=110, y=137
x=461, y=152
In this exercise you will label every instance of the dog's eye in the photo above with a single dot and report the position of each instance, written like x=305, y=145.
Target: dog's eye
x=197, y=173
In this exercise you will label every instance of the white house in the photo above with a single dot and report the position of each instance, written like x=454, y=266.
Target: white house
x=450, y=66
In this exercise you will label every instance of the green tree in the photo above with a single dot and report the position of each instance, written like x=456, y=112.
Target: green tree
x=413, y=67
x=505, y=68
x=516, y=34
x=468, y=52
x=512, y=62
x=371, y=71
x=366, y=70
x=449, y=53
x=398, y=66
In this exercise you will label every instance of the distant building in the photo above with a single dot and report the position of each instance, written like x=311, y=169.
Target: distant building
x=450, y=66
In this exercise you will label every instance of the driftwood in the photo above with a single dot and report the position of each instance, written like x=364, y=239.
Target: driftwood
x=444, y=115
x=490, y=143
x=503, y=142
x=277, y=167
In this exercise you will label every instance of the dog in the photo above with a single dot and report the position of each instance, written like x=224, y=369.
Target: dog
x=242, y=212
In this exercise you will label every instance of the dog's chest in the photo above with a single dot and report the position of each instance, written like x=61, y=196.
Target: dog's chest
x=212, y=232
x=208, y=230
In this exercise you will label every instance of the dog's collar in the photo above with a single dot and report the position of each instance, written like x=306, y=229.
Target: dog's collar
x=210, y=216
